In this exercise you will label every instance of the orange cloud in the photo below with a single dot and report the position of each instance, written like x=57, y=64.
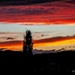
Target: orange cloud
x=12, y=45
x=56, y=41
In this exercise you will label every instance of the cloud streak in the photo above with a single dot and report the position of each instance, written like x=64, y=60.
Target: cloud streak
x=48, y=13
x=23, y=2
x=27, y=2
x=12, y=45
x=55, y=41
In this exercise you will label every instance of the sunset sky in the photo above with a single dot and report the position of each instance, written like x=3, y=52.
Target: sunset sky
x=52, y=24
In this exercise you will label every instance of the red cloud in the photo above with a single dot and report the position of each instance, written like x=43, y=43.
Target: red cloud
x=49, y=13
x=11, y=43
x=54, y=39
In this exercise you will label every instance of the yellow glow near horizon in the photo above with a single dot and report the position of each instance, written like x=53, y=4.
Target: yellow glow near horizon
x=58, y=43
x=19, y=46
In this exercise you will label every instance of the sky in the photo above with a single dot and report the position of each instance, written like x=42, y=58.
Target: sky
x=52, y=24
x=46, y=13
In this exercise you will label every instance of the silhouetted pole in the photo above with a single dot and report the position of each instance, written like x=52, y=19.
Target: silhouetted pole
x=28, y=44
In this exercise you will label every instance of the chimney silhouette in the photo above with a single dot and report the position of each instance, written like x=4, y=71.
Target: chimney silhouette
x=27, y=43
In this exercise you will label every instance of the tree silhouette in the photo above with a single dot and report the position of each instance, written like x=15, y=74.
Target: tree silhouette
x=28, y=44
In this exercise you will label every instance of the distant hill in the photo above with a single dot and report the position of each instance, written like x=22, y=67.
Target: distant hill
x=35, y=51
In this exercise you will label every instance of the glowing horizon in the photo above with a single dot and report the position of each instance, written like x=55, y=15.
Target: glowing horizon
x=18, y=45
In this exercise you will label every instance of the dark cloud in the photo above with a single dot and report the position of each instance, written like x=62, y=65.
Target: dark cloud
x=7, y=38
x=27, y=11
x=28, y=2
x=10, y=38
x=23, y=2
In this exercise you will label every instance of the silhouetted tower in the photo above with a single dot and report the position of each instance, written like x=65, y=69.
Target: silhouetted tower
x=28, y=44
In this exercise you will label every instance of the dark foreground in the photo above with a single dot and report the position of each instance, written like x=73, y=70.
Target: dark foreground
x=62, y=63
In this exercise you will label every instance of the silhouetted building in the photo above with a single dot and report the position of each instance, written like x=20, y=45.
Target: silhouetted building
x=28, y=44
